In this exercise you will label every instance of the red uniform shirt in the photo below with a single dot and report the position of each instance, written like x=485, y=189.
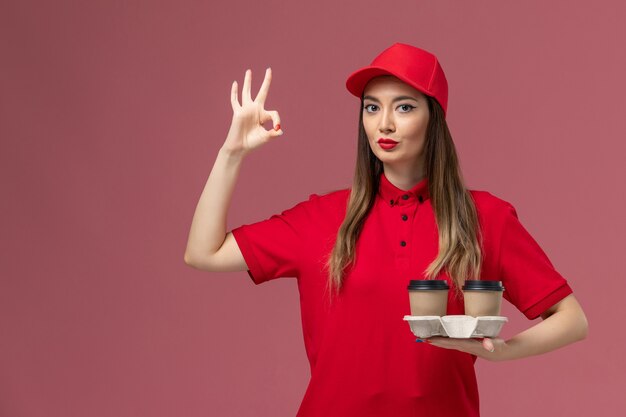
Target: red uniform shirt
x=363, y=357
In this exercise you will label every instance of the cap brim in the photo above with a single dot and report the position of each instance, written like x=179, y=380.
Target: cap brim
x=357, y=81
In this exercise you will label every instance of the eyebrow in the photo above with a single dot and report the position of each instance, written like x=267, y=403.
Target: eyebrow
x=393, y=101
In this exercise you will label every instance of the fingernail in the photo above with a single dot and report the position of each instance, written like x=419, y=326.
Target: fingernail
x=419, y=340
x=277, y=127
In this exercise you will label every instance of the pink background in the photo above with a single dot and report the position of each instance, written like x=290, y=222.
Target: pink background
x=111, y=114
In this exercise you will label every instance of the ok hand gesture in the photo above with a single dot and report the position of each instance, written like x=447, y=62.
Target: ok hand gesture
x=246, y=130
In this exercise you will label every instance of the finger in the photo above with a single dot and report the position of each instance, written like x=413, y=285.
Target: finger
x=273, y=114
x=488, y=344
x=260, y=98
x=265, y=116
x=245, y=92
x=234, y=102
x=273, y=132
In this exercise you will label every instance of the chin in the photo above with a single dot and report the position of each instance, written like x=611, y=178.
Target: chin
x=388, y=155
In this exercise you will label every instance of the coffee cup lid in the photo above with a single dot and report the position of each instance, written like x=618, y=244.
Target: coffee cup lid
x=428, y=284
x=478, y=285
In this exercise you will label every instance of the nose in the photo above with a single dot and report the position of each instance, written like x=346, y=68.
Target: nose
x=386, y=123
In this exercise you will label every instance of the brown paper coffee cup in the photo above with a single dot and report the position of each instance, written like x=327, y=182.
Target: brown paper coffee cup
x=428, y=297
x=482, y=298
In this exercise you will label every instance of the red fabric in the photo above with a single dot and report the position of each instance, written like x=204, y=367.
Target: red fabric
x=363, y=357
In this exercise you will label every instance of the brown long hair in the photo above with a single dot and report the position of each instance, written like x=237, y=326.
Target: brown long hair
x=460, y=243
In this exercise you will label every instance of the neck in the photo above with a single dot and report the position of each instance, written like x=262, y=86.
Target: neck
x=404, y=178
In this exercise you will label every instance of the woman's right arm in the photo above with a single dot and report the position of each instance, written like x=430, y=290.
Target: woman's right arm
x=209, y=247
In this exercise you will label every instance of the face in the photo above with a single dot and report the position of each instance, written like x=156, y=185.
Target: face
x=395, y=110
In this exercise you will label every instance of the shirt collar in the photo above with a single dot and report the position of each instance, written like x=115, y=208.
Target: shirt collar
x=395, y=196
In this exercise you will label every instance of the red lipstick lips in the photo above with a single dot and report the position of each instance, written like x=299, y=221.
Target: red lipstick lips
x=387, y=143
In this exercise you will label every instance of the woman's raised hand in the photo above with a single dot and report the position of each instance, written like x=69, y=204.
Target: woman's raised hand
x=246, y=130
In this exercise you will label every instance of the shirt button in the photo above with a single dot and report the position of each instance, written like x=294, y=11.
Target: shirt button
x=405, y=217
x=402, y=243
x=420, y=198
x=405, y=197
x=391, y=202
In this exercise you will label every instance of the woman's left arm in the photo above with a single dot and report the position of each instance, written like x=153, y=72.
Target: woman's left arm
x=562, y=324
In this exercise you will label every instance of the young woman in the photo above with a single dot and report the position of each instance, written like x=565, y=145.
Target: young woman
x=408, y=215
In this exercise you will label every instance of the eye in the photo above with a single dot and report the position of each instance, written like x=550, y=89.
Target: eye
x=407, y=107
x=368, y=105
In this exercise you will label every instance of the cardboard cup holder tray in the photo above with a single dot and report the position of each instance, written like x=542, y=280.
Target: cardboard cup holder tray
x=457, y=326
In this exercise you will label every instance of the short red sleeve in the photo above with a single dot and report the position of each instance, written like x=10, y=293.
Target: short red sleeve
x=272, y=248
x=531, y=282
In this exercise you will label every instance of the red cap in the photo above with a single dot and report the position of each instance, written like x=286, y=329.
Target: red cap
x=416, y=67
